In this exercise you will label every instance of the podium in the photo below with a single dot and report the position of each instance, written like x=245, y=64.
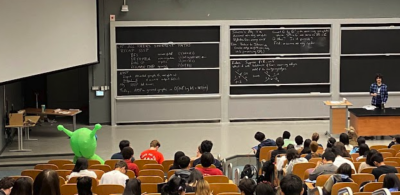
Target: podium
x=339, y=116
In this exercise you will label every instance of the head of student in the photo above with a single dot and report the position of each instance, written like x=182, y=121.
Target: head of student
x=378, y=78
x=127, y=152
x=344, y=138
x=328, y=157
x=377, y=159
x=397, y=138
x=361, y=140
x=194, y=177
x=84, y=185
x=369, y=157
x=307, y=143
x=177, y=156
x=291, y=185
x=314, y=146
x=206, y=146
x=344, y=169
x=132, y=187
x=363, y=150
x=206, y=159
x=299, y=140
x=81, y=164
x=184, y=162
x=292, y=154
x=155, y=144
x=121, y=166
x=47, y=182
x=123, y=144
x=315, y=137
x=247, y=186
x=259, y=136
x=340, y=150
x=290, y=146
x=6, y=184
x=331, y=142
x=286, y=135
x=203, y=188
x=22, y=186
x=175, y=186
x=391, y=181
x=279, y=142
x=265, y=188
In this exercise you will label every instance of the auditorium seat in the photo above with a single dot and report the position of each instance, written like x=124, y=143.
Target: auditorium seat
x=31, y=173
x=104, y=168
x=60, y=162
x=141, y=163
x=152, y=172
x=370, y=187
x=336, y=187
x=46, y=166
x=216, y=179
x=108, y=189
x=362, y=177
x=153, y=166
x=150, y=179
x=167, y=164
x=217, y=188
x=69, y=189
x=111, y=162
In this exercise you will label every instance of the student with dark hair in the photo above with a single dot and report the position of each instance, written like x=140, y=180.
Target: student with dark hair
x=339, y=160
x=127, y=154
x=6, y=185
x=206, y=146
x=325, y=166
x=391, y=182
x=47, y=182
x=381, y=168
x=395, y=141
x=247, y=186
x=362, y=151
x=22, y=186
x=152, y=153
x=207, y=160
x=314, y=149
x=345, y=153
x=183, y=171
x=259, y=136
x=175, y=186
x=117, y=176
x=331, y=142
x=81, y=169
x=133, y=187
x=264, y=189
x=293, y=158
x=367, y=163
x=286, y=139
x=344, y=138
x=306, y=148
x=291, y=185
x=299, y=142
x=360, y=140
x=343, y=174
x=290, y=146
x=122, y=145
x=177, y=155
x=280, y=150
x=194, y=178
x=84, y=185
x=379, y=92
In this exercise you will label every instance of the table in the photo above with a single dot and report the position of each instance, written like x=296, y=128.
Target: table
x=26, y=126
x=376, y=122
x=38, y=111
x=339, y=117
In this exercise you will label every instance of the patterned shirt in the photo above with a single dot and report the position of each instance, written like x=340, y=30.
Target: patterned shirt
x=383, y=93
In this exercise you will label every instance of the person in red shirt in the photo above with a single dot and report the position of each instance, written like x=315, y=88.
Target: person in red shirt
x=127, y=154
x=206, y=160
x=153, y=153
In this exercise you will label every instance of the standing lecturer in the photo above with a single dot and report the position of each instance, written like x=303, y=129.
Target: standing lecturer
x=378, y=92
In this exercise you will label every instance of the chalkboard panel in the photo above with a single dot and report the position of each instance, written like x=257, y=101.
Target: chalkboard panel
x=167, y=34
x=162, y=82
x=150, y=56
x=358, y=73
x=279, y=41
x=279, y=71
x=279, y=89
x=377, y=41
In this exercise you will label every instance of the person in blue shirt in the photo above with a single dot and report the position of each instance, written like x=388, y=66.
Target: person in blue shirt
x=122, y=145
x=379, y=92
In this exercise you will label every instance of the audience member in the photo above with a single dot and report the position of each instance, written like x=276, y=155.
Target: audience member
x=206, y=146
x=362, y=151
x=344, y=138
x=152, y=153
x=306, y=148
x=133, y=187
x=324, y=167
x=339, y=160
x=6, y=185
x=259, y=136
x=117, y=176
x=183, y=171
x=22, y=186
x=367, y=163
x=293, y=158
x=395, y=141
x=47, y=183
x=122, y=145
x=247, y=186
x=81, y=169
x=177, y=156
x=360, y=140
x=206, y=161
x=381, y=168
x=290, y=146
x=343, y=174
x=299, y=142
x=203, y=188
x=286, y=139
x=345, y=153
x=315, y=138
x=264, y=189
x=391, y=182
x=268, y=175
x=175, y=186
x=127, y=154
x=314, y=151
x=291, y=185
x=194, y=178
x=280, y=150
x=84, y=185
x=331, y=142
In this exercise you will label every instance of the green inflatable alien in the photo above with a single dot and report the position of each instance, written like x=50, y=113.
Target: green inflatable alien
x=83, y=142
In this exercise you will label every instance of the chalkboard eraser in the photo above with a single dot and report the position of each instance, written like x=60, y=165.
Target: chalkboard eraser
x=170, y=42
x=315, y=92
x=391, y=26
x=282, y=27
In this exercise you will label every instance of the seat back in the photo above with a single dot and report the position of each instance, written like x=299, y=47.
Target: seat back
x=300, y=168
x=392, y=163
x=355, y=156
x=357, y=165
x=69, y=189
x=104, y=168
x=46, y=166
x=337, y=186
x=217, y=188
x=31, y=173
x=61, y=180
x=368, y=170
x=150, y=179
x=398, y=169
x=149, y=187
x=111, y=162
x=382, y=177
x=386, y=154
x=362, y=193
x=167, y=164
x=322, y=179
x=68, y=167
x=98, y=172
x=73, y=180
x=60, y=162
x=108, y=189
x=265, y=154
x=394, y=159
x=153, y=166
x=314, y=160
x=370, y=187
x=141, y=163
x=377, y=147
x=201, y=166
x=63, y=173
x=307, y=173
x=362, y=177
x=93, y=162
x=396, y=148
x=151, y=172
x=390, y=150
x=216, y=179
x=130, y=174
x=230, y=193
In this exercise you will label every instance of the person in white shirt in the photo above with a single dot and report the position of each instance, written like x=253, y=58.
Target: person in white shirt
x=293, y=158
x=116, y=177
x=80, y=169
x=339, y=160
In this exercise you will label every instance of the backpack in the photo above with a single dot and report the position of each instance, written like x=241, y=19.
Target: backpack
x=363, y=185
x=249, y=170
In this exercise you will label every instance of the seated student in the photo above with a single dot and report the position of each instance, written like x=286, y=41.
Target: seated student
x=84, y=186
x=81, y=169
x=133, y=187
x=343, y=148
x=314, y=149
x=293, y=158
x=280, y=150
x=117, y=176
x=306, y=148
x=22, y=186
x=395, y=141
x=315, y=138
x=339, y=160
x=343, y=174
x=6, y=185
x=291, y=185
x=299, y=142
x=127, y=154
x=152, y=153
x=344, y=138
x=268, y=175
x=177, y=156
x=362, y=151
x=206, y=161
x=184, y=169
x=206, y=146
x=195, y=177
x=367, y=163
x=282, y=159
x=247, y=186
x=381, y=168
x=331, y=142
x=391, y=182
x=324, y=167
x=122, y=145
x=203, y=188
x=175, y=186
x=263, y=142
x=286, y=139
x=360, y=140
x=264, y=189
x=46, y=182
